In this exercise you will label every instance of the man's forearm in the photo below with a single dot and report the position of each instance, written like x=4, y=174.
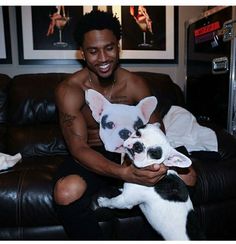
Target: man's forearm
x=97, y=163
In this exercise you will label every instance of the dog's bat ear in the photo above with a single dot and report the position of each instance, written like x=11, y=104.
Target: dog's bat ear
x=147, y=105
x=177, y=159
x=96, y=101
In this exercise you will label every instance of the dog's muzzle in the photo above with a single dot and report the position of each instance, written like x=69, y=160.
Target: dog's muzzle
x=124, y=134
x=130, y=152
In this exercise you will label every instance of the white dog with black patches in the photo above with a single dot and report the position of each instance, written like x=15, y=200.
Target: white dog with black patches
x=118, y=121
x=167, y=205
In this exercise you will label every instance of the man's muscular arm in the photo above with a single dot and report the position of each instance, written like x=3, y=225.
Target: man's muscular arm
x=70, y=101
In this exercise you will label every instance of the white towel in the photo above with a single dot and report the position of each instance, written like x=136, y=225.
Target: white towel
x=182, y=129
x=7, y=161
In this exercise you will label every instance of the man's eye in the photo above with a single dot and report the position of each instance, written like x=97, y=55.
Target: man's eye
x=110, y=125
x=92, y=51
x=110, y=48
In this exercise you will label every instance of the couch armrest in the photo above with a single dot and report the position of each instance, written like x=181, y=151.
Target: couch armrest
x=216, y=175
x=226, y=141
x=216, y=180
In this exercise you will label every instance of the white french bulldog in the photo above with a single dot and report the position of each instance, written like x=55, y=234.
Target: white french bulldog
x=167, y=205
x=118, y=121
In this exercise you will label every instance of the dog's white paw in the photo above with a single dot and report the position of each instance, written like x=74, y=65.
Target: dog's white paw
x=103, y=202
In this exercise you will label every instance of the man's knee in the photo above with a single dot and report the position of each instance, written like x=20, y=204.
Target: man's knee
x=69, y=189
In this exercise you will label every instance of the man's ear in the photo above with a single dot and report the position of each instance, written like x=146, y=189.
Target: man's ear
x=118, y=46
x=147, y=105
x=177, y=159
x=96, y=101
x=82, y=53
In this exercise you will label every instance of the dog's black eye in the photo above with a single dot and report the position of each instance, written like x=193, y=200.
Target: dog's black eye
x=105, y=124
x=138, y=134
x=110, y=125
x=138, y=123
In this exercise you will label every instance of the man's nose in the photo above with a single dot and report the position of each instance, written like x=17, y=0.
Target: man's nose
x=102, y=56
x=124, y=134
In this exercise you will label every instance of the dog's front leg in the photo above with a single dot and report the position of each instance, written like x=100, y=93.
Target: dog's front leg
x=121, y=201
x=115, y=202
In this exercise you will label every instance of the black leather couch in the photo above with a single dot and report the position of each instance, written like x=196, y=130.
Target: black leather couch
x=29, y=125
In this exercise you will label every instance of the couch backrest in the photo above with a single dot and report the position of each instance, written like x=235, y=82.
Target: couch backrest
x=32, y=119
x=4, y=84
x=33, y=128
x=166, y=91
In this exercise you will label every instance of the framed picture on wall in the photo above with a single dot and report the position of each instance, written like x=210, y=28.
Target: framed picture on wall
x=149, y=33
x=5, y=41
x=44, y=38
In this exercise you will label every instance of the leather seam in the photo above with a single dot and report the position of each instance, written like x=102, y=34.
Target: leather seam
x=19, y=202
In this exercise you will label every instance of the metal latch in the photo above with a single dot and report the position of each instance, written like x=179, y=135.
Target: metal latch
x=220, y=65
x=228, y=30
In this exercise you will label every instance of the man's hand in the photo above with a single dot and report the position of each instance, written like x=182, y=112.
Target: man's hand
x=148, y=175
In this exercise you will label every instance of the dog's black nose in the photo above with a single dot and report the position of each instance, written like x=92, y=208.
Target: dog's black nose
x=124, y=134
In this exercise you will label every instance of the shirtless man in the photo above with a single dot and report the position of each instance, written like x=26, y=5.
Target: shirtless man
x=90, y=167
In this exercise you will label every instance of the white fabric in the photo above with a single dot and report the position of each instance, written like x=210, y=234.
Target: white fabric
x=7, y=161
x=182, y=129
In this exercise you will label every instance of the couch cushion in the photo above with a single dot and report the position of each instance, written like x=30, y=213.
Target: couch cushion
x=26, y=193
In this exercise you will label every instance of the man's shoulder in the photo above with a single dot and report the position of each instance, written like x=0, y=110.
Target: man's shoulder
x=75, y=79
x=72, y=83
x=72, y=87
x=131, y=76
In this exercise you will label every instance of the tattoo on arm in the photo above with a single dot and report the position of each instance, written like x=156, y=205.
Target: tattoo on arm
x=67, y=119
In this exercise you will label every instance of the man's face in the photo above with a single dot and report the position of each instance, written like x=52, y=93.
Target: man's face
x=101, y=51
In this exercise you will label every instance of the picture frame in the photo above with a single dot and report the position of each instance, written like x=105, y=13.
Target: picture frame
x=5, y=41
x=164, y=44
x=37, y=48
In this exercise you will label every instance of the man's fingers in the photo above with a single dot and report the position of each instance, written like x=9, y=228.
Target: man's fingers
x=153, y=167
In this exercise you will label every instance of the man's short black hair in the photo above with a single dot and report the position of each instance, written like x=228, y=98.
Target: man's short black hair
x=97, y=20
